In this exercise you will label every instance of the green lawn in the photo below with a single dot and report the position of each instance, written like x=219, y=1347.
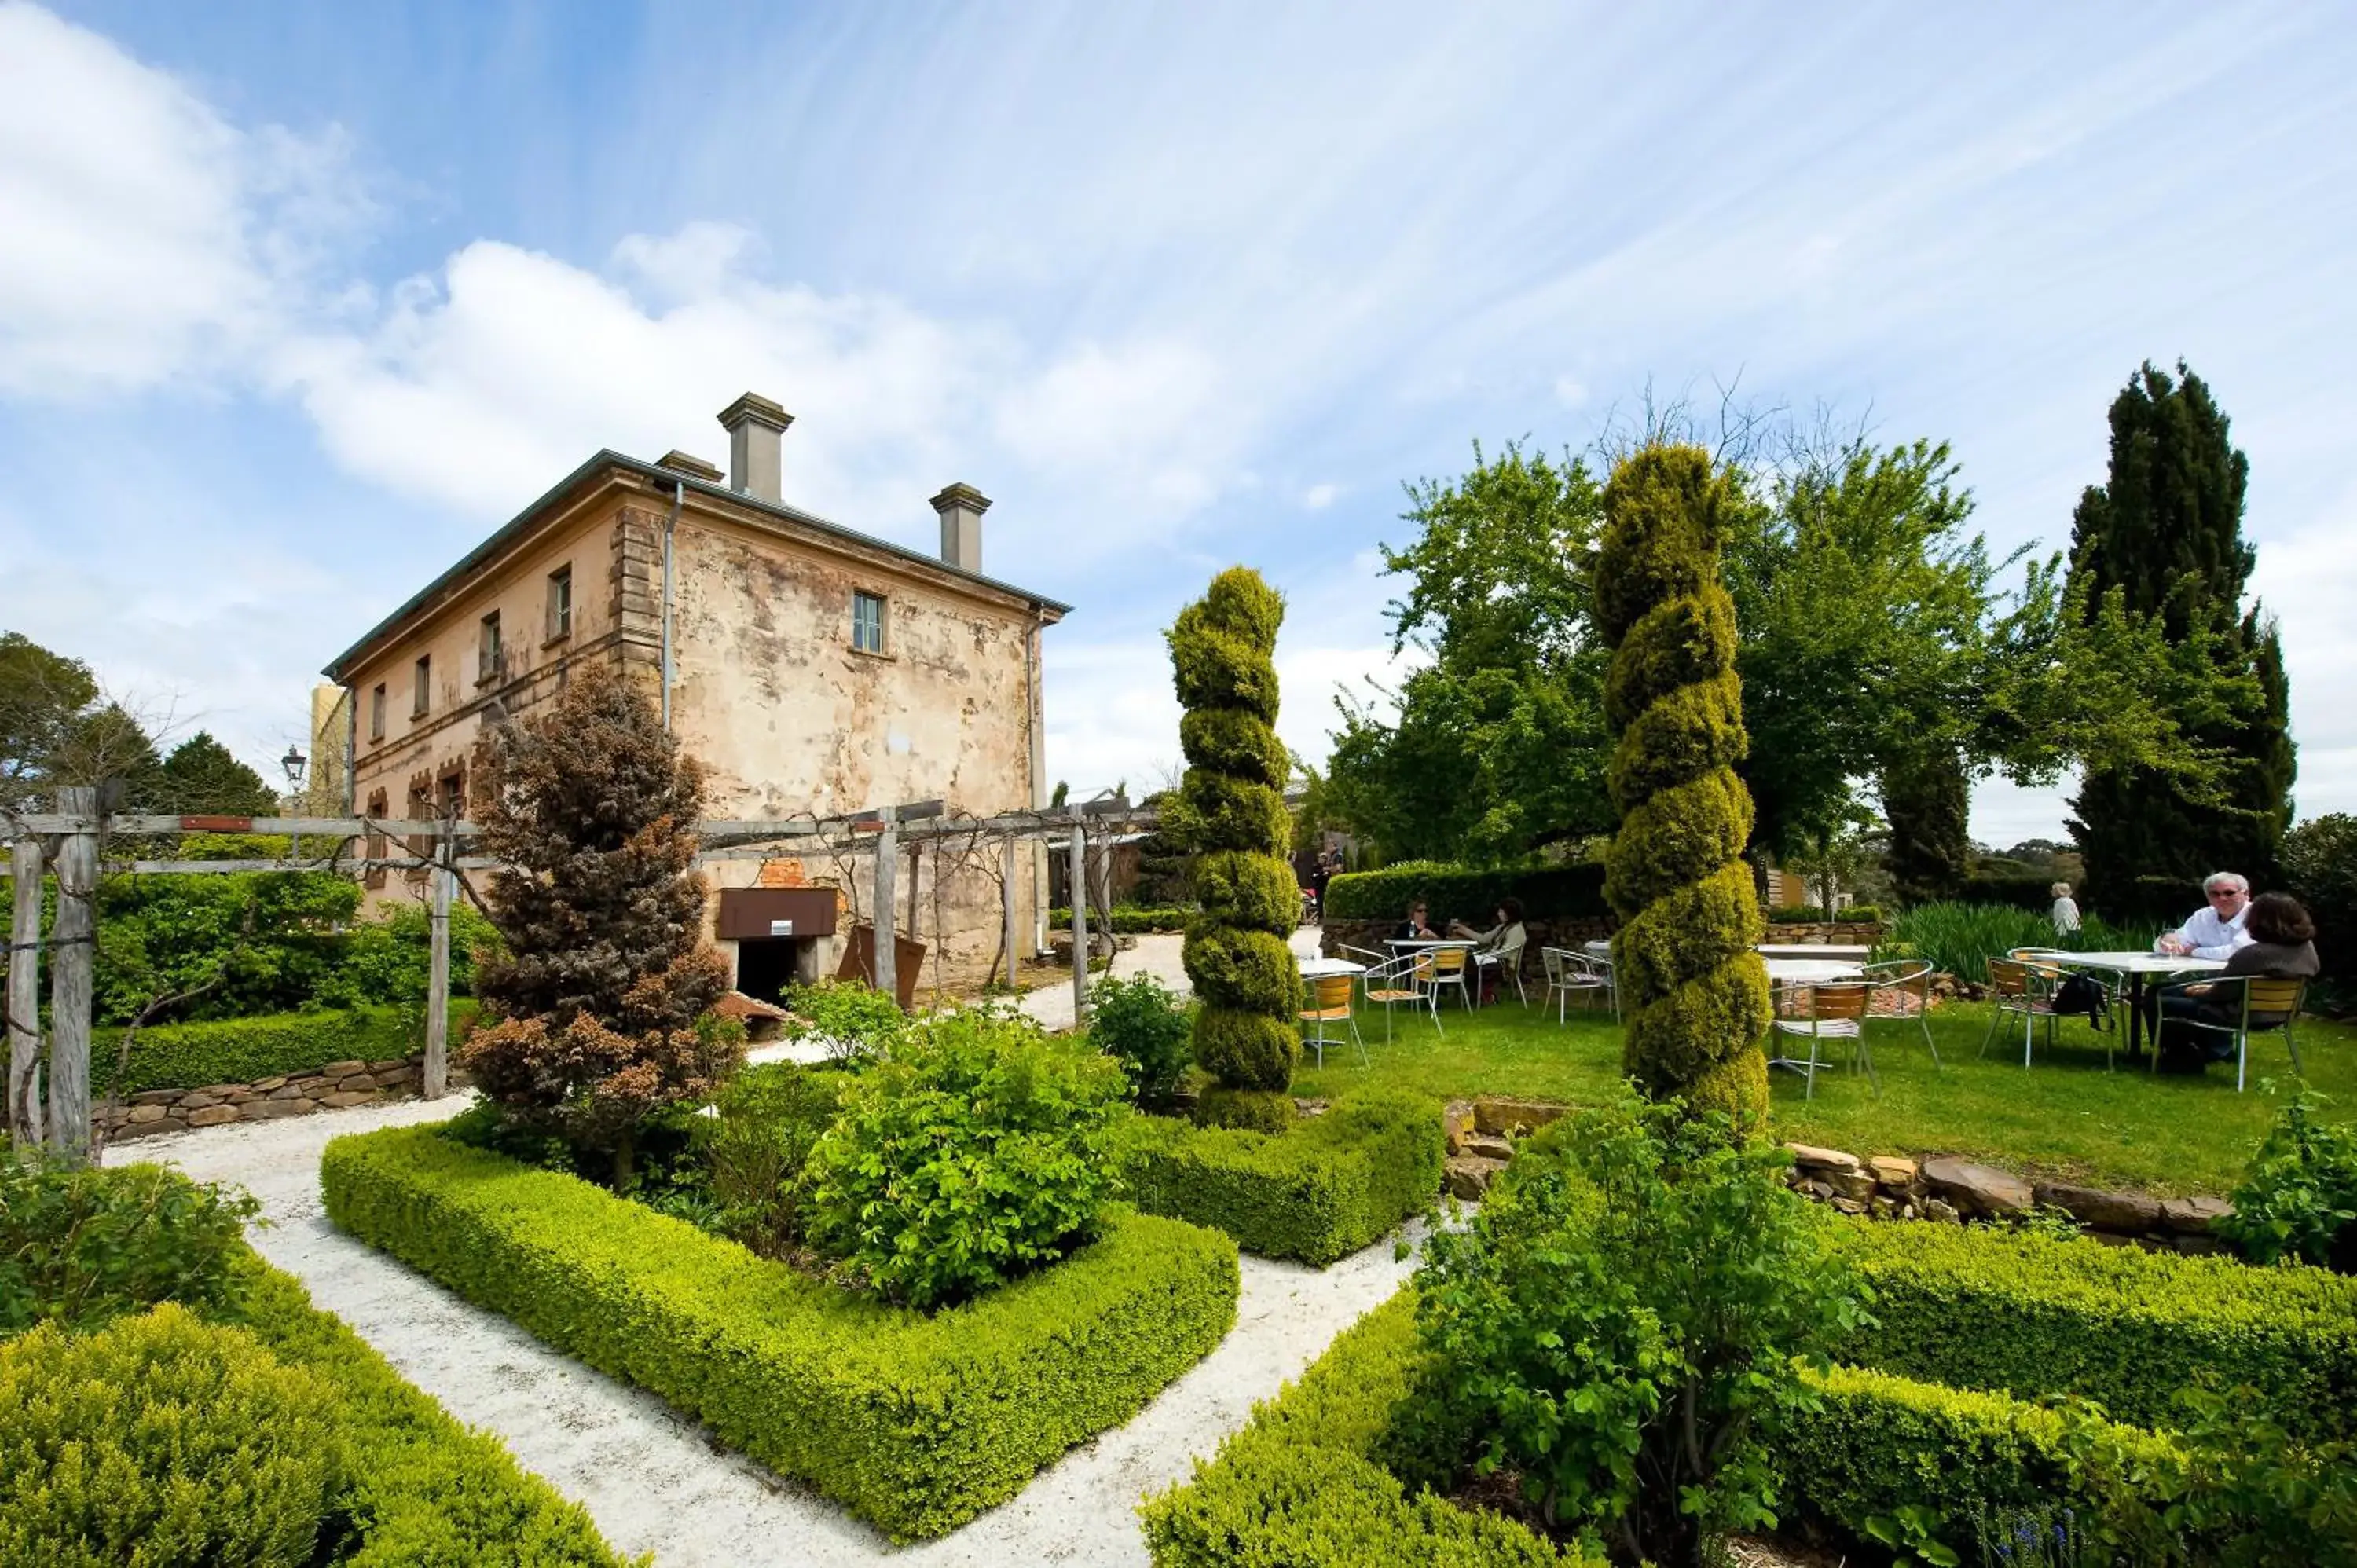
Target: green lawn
x=2064, y=1117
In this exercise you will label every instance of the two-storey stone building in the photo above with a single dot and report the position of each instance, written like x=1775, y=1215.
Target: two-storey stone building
x=813, y=669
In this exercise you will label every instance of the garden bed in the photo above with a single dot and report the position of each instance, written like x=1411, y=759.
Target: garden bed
x=916, y=1424
x=1316, y=1192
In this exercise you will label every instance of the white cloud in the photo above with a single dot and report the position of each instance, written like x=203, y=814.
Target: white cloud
x=1317, y=498
x=144, y=236
x=1570, y=391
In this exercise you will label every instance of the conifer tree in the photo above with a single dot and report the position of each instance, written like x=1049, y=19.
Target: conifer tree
x=2165, y=533
x=597, y=1011
x=1695, y=995
x=1229, y=814
x=1927, y=802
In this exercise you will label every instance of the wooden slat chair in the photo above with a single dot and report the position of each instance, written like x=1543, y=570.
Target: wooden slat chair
x=2268, y=1004
x=1908, y=982
x=1329, y=1002
x=1836, y=1012
x=1389, y=982
x=1436, y=967
x=1568, y=974
x=2025, y=991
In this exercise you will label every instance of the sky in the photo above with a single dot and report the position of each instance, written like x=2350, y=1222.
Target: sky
x=298, y=302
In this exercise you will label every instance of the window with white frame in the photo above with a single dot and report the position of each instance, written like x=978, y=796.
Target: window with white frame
x=867, y=622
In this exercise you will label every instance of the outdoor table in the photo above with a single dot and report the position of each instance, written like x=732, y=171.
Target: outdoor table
x=1858, y=952
x=1597, y=949
x=1810, y=972
x=2135, y=966
x=1311, y=968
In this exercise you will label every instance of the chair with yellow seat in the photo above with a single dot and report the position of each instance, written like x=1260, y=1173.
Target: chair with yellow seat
x=1389, y=982
x=1448, y=964
x=1329, y=1002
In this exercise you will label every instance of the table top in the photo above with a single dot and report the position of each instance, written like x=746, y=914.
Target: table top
x=1313, y=967
x=1809, y=970
x=2131, y=962
x=1430, y=943
x=1598, y=948
x=1859, y=951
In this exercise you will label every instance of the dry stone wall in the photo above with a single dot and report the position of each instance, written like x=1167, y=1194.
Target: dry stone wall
x=335, y=1086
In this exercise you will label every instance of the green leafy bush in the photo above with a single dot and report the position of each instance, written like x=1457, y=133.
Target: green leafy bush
x=1140, y=1023
x=2320, y=863
x=1469, y=893
x=246, y=1050
x=978, y=1150
x=160, y=1441
x=1620, y=1324
x=1303, y=1484
x=1796, y=914
x=1131, y=919
x=81, y=1245
x=914, y=1423
x=2032, y=892
x=1316, y=1192
x=2299, y=1202
x=1976, y=1308
x=387, y=962
x=853, y=1016
x=767, y=1120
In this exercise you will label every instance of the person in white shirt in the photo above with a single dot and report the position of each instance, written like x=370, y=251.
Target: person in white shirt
x=2065, y=913
x=2215, y=930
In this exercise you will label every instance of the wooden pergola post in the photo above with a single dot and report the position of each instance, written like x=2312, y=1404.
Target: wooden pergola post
x=24, y=1117
x=71, y=975
x=1077, y=850
x=886, y=921
x=434, y=1071
x=1006, y=897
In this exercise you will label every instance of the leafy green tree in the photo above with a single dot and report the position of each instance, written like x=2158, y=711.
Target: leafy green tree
x=1694, y=992
x=1230, y=814
x=201, y=777
x=2162, y=538
x=41, y=695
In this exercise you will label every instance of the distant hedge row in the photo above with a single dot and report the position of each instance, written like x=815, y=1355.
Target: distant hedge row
x=1467, y=894
x=242, y=1050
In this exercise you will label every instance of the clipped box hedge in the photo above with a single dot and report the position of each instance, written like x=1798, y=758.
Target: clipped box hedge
x=242, y=1050
x=915, y=1424
x=1317, y=1192
x=1130, y=919
x=1976, y=1308
x=1465, y=893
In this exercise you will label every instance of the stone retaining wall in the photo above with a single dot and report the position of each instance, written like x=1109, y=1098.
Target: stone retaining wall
x=1848, y=932
x=333, y=1086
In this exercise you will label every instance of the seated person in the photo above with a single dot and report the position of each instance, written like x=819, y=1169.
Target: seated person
x=1414, y=929
x=1502, y=943
x=2281, y=946
x=2215, y=930
x=2065, y=913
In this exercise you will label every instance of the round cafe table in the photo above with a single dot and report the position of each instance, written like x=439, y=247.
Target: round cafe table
x=2139, y=968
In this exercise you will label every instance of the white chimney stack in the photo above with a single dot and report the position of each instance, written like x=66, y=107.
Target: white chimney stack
x=961, y=507
x=754, y=424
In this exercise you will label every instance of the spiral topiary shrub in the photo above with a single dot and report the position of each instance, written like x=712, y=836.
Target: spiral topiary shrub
x=1229, y=814
x=1695, y=994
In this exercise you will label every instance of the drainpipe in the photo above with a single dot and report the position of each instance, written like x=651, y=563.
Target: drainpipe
x=678, y=495
x=1034, y=704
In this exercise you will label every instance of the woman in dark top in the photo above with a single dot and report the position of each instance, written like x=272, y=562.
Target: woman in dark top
x=2282, y=947
x=1412, y=929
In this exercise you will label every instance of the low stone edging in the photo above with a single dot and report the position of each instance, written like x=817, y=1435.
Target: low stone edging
x=1482, y=1136
x=334, y=1087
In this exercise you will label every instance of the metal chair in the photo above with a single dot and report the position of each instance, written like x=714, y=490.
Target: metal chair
x=1836, y=1012
x=1329, y=1002
x=1507, y=960
x=1439, y=966
x=1906, y=980
x=2025, y=991
x=2268, y=1003
x=1566, y=972
x=1392, y=981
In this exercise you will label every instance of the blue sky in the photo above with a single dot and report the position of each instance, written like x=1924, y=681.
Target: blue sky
x=298, y=303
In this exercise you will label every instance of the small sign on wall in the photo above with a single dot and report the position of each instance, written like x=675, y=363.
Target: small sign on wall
x=782, y=928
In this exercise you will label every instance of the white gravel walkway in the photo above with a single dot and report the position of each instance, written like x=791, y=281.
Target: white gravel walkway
x=656, y=1481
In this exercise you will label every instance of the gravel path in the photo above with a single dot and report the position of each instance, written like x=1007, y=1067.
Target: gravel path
x=656, y=1481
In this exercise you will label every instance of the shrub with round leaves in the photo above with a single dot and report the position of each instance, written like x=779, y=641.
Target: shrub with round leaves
x=1694, y=993
x=1229, y=813
x=161, y=1441
x=980, y=1148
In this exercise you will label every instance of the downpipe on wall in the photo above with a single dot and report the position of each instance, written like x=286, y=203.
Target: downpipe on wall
x=671, y=526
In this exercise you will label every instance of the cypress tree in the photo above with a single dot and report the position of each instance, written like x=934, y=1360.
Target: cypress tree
x=1927, y=802
x=1229, y=814
x=2166, y=531
x=1694, y=993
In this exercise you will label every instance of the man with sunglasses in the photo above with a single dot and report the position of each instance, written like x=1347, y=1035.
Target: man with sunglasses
x=2215, y=930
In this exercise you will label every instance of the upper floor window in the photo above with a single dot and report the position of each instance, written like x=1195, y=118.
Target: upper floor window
x=490, y=658
x=560, y=602
x=867, y=622
x=376, y=712
x=423, y=697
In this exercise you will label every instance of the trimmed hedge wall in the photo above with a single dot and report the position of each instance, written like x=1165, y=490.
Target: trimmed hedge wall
x=1298, y=1487
x=242, y=1050
x=422, y=1488
x=915, y=1424
x=1301, y=1485
x=1317, y=1192
x=2033, y=892
x=1129, y=919
x=1465, y=893
x=1978, y=1308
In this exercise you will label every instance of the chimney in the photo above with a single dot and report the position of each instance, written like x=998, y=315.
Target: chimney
x=754, y=424
x=961, y=507
x=694, y=468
